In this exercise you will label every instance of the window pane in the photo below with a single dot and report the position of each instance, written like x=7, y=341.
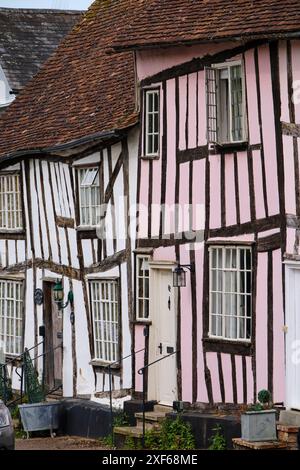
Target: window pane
x=237, y=102
x=230, y=292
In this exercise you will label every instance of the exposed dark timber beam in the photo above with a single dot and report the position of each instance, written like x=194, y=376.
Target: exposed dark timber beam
x=259, y=225
x=108, y=263
x=270, y=243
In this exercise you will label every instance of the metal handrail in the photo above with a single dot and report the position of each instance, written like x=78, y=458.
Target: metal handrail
x=141, y=371
x=21, y=375
x=109, y=367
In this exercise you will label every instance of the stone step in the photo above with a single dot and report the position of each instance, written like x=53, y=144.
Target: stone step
x=131, y=431
x=163, y=409
x=151, y=416
x=289, y=418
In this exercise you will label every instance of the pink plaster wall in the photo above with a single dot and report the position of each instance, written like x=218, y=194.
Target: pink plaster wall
x=143, y=200
x=289, y=175
x=296, y=73
x=239, y=378
x=215, y=191
x=192, y=115
x=186, y=332
x=165, y=254
x=244, y=194
x=227, y=373
x=258, y=185
x=139, y=360
x=199, y=167
x=182, y=111
x=250, y=382
x=290, y=240
x=268, y=129
x=199, y=255
x=230, y=191
x=254, y=132
x=261, y=322
x=153, y=61
x=212, y=364
x=171, y=150
x=278, y=322
x=285, y=114
x=202, y=109
x=184, y=187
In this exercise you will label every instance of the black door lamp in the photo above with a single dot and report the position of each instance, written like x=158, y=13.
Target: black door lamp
x=58, y=292
x=179, y=274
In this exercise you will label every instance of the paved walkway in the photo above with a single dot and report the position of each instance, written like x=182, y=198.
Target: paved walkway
x=59, y=443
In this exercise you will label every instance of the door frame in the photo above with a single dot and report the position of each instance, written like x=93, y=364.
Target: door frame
x=154, y=266
x=291, y=266
x=49, y=360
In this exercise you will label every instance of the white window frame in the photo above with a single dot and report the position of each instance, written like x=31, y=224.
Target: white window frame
x=11, y=217
x=140, y=316
x=11, y=316
x=217, y=67
x=106, y=319
x=90, y=186
x=147, y=93
x=248, y=315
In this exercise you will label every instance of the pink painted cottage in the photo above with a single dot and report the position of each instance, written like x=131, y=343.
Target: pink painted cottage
x=219, y=152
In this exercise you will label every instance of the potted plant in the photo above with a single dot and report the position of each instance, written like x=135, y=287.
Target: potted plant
x=259, y=422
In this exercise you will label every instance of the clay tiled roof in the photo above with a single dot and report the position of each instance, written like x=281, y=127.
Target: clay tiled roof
x=165, y=22
x=28, y=38
x=80, y=93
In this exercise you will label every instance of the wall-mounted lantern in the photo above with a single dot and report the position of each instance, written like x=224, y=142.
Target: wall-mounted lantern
x=58, y=292
x=179, y=274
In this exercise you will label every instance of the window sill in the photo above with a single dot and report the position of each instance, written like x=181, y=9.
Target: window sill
x=12, y=234
x=142, y=322
x=150, y=157
x=104, y=365
x=231, y=147
x=227, y=346
x=86, y=232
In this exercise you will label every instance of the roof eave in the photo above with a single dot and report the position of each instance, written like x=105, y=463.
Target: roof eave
x=119, y=47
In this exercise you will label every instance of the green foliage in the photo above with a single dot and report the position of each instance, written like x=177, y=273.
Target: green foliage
x=5, y=384
x=129, y=443
x=108, y=441
x=120, y=419
x=33, y=387
x=256, y=407
x=173, y=435
x=264, y=396
x=217, y=440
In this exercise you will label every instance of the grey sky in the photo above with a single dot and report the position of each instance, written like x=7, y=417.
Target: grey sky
x=64, y=4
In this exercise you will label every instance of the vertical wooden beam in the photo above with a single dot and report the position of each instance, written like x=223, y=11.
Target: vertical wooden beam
x=221, y=377
x=163, y=159
x=270, y=341
x=261, y=132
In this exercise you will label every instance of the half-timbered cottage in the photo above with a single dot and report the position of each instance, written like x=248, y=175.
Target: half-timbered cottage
x=219, y=135
x=27, y=39
x=68, y=150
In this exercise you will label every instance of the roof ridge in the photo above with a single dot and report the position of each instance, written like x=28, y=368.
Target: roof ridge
x=42, y=10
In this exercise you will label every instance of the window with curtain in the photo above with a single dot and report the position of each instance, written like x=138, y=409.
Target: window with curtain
x=230, y=293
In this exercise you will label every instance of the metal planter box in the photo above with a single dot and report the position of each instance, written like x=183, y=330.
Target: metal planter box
x=40, y=416
x=259, y=426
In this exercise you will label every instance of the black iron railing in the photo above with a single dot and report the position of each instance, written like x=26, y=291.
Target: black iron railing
x=110, y=367
x=23, y=367
x=141, y=371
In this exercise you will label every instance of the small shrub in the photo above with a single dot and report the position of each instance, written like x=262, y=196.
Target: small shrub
x=173, y=435
x=120, y=419
x=217, y=440
x=264, y=397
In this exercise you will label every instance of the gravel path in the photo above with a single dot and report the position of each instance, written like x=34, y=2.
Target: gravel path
x=59, y=443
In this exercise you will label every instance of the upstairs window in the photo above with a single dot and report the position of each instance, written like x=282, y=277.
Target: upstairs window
x=230, y=293
x=10, y=202
x=89, y=192
x=151, y=125
x=226, y=108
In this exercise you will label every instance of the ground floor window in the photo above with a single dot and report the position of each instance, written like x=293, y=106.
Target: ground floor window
x=105, y=312
x=11, y=316
x=230, y=309
x=142, y=287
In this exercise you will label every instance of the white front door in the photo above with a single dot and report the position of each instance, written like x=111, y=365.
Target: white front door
x=293, y=337
x=162, y=376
